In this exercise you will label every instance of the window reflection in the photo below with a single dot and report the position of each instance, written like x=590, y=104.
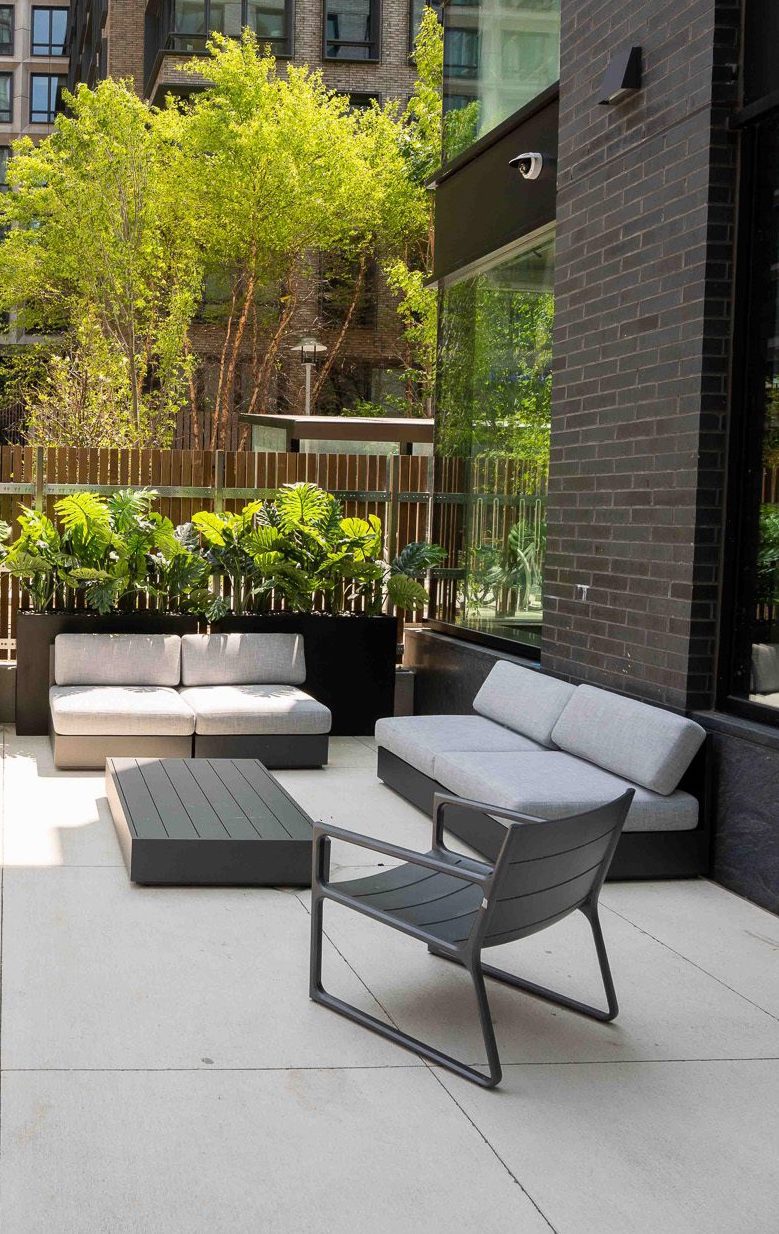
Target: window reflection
x=493, y=415
x=507, y=53
x=757, y=651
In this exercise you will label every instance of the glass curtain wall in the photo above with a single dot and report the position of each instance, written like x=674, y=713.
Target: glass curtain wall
x=498, y=56
x=493, y=410
x=756, y=661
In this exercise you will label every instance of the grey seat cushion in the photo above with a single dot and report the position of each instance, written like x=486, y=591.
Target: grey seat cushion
x=245, y=709
x=645, y=744
x=242, y=659
x=418, y=739
x=765, y=668
x=118, y=711
x=117, y=659
x=524, y=700
x=552, y=785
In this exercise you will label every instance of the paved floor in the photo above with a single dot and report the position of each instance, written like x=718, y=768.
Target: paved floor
x=163, y=1071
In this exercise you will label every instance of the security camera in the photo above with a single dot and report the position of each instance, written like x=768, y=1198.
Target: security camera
x=529, y=166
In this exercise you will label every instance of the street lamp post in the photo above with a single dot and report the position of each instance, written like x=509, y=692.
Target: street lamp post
x=309, y=351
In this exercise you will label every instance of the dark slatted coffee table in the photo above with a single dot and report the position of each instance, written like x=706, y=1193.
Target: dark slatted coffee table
x=216, y=821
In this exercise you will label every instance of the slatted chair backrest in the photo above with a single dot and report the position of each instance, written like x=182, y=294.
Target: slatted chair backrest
x=549, y=869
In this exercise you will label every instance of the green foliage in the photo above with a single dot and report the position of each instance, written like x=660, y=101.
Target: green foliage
x=115, y=268
x=296, y=549
x=768, y=555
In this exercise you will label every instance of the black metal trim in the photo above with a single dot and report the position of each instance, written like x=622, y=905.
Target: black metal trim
x=466, y=634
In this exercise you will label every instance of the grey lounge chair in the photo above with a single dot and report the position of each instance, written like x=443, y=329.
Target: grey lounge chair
x=544, y=871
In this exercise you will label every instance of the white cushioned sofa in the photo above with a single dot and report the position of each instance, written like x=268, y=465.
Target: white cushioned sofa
x=765, y=674
x=547, y=748
x=158, y=695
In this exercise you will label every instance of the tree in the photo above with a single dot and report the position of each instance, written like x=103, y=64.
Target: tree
x=278, y=168
x=97, y=246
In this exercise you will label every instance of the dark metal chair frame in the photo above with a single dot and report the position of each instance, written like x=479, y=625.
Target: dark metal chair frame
x=543, y=873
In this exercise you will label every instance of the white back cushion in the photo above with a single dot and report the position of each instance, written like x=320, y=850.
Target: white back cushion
x=524, y=700
x=242, y=659
x=765, y=668
x=117, y=659
x=644, y=744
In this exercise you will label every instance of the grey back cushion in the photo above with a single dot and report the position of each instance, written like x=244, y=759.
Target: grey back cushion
x=117, y=659
x=644, y=744
x=524, y=700
x=242, y=659
x=765, y=668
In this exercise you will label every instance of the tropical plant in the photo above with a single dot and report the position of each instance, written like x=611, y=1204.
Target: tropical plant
x=768, y=555
x=34, y=557
x=297, y=550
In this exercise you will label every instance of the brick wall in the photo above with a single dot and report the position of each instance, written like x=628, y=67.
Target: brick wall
x=124, y=34
x=645, y=233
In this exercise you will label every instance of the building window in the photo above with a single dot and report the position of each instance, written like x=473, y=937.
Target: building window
x=340, y=294
x=754, y=672
x=272, y=23
x=6, y=29
x=195, y=20
x=6, y=98
x=509, y=52
x=5, y=157
x=493, y=411
x=416, y=9
x=362, y=102
x=352, y=29
x=45, y=97
x=49, y=30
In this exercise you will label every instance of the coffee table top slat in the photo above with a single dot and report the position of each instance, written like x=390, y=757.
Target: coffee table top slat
x=260, y=813
x=142, y=814
x=296, y=823
x=205, y=819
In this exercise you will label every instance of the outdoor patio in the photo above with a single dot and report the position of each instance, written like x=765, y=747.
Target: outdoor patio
x=163, y=1069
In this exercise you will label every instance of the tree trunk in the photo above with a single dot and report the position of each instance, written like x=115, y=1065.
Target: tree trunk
x=324, y=372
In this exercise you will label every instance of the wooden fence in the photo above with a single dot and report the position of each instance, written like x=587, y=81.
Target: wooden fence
x=397, y=489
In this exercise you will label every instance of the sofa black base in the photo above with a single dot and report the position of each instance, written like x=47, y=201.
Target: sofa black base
x=276, y=750
x=639, y=855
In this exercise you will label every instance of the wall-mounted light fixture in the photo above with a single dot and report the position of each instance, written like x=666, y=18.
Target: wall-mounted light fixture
x=622, y=77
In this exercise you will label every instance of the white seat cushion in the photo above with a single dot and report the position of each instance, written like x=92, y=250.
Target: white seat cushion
x=418, y=739
x=646, y=745
x=105, y=711
x=117, y=659
x=553, y=785
x=524, y=699
x=255, y=709
x=242, y=659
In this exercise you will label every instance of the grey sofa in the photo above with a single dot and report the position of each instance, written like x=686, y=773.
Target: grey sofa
x=158, y=695
x=543, y=747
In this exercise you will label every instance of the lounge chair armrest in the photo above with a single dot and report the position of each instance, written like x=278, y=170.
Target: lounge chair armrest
x=323, y=831
x=441, y=801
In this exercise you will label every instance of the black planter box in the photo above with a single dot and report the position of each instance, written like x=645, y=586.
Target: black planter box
x=350, y=662
x=35, y=633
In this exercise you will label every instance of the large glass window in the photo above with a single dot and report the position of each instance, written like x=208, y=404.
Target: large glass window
x=417, y=8
x=6, y=29
x=493, y=415
x=270, y=21
x=49, y=29
x=45, y=97
x=195, y=20
x=352, y=29
x=756, y=660
x=507, y=52
x=6, y=97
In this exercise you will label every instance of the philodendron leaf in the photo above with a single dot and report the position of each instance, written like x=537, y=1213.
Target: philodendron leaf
x=263, y=540
x=406, y=593
x=210, y=526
